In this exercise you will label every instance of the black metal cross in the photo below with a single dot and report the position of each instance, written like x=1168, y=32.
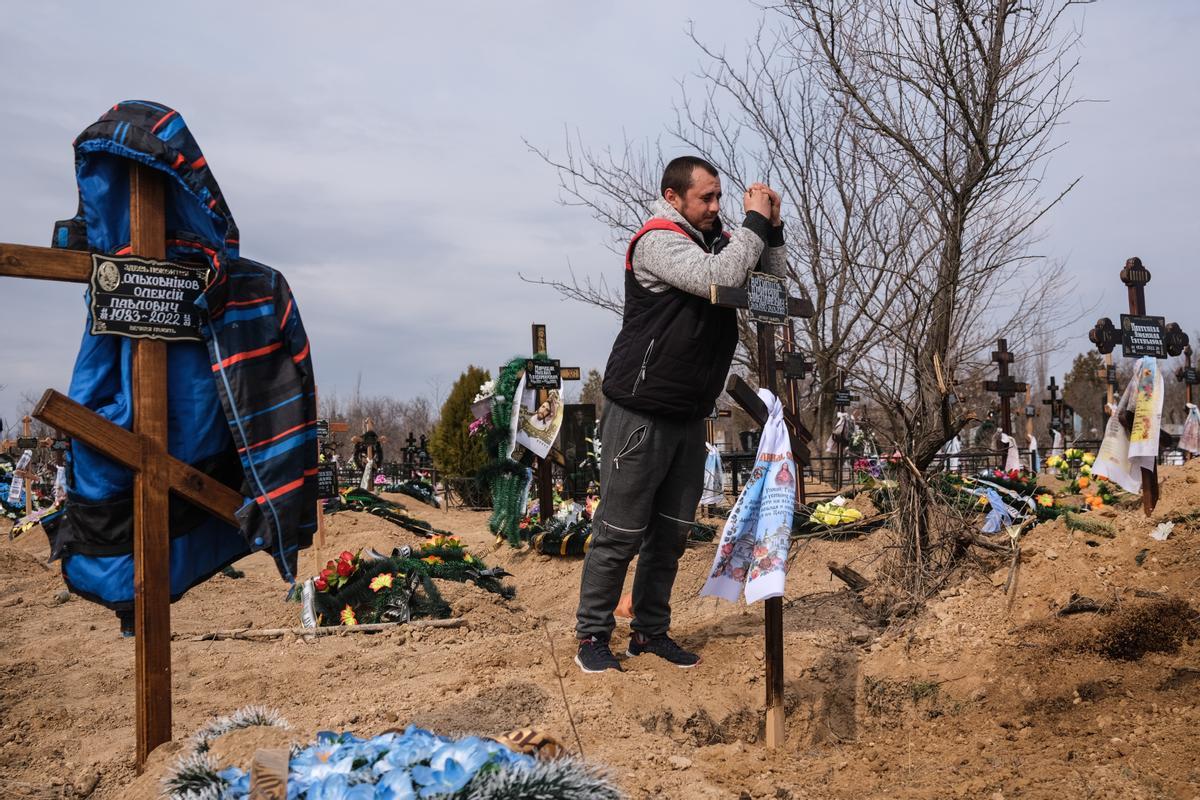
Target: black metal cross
x=766, y=300
x=1054, y=402
x=1104, y=335
x=1007, y=386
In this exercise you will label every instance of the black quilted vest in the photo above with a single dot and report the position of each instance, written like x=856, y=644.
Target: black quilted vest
x=674, y=349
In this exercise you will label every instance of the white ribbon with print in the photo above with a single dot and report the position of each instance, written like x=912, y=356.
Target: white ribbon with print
x=752, y=553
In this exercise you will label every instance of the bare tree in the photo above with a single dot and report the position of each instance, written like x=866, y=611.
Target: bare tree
x=960, y=100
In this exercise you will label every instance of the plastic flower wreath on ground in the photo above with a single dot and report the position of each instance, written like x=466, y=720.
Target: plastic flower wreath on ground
x=397, y=765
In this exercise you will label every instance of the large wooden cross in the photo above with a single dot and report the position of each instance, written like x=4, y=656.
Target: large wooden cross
x=1106, y=337
x=1055, y=404
x=1006, y=386
x=545, y=470
x=143, y=450
x=761, y=296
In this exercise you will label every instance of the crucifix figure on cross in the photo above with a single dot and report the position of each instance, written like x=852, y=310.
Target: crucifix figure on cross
x=766, y=300
x=1005, y=386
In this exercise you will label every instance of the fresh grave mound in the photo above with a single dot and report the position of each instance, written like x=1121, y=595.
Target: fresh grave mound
x=252, y=749
x=355, y=499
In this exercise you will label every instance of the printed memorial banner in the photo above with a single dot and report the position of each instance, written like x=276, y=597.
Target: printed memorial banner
x=538, y=423
x=752, y=555
x=714, y=478
x=1124, y=455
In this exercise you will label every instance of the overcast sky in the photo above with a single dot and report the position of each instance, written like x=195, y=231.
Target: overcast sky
x=373, y=153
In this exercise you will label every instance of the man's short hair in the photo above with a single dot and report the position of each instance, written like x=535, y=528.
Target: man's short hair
x=678, y=174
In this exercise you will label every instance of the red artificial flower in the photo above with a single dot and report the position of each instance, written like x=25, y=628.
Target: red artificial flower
x=330, y=565
x=344, y=568
x=346, y=556
x=321, y=584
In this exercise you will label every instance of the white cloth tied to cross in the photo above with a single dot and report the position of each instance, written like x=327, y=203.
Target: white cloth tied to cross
x=18, y=481
x=752, y=554
x=714, y=478
x=1012, y=461
x=1189, y=440
x=1123, y=455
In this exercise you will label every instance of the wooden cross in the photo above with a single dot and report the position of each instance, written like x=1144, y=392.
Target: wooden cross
x=1104, y=335
x=143, y=450
x=1007, y=386
x=545, y=470
x=749, y=297
x=26, y=475
x=1054, y=402
x=1187, y=374
x=841, y=400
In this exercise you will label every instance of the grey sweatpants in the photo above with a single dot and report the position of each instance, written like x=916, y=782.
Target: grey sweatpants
x=651, y=477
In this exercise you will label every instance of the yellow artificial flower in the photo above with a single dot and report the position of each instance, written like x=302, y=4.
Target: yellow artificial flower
x=1046, y=500
x=982, y=501
x=1085, y=470
x=468, y=558
x=1089, y=458
x=432, y=560
x=381, y=581
x=348, y=617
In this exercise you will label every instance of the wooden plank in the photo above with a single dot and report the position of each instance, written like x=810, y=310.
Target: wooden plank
x=46, y=263
x=737, y=297
x=151, y=522
x=773, y=624
x=61, y=412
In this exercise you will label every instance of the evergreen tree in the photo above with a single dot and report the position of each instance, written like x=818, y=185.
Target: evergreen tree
x=1083, y=390
x=592, y=391
x=454, y=452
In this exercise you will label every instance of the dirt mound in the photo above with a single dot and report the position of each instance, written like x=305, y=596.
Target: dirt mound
x=971, y=696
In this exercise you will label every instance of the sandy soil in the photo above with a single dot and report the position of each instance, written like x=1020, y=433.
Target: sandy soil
x=970, y=698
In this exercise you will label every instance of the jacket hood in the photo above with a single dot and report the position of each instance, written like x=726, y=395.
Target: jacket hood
x=661, y=208
x=197, y=216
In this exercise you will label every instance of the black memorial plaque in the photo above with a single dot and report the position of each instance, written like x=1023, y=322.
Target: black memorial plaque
x=842, y=399
x=143, y=298
x=766, y=299
x=541, y=374
x=322, y=429
x=29, y=443
x=1143, y=336
x=1030, y=411
x=1190, y=375
x=327, y=482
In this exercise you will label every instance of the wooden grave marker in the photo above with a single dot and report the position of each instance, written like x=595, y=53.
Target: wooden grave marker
x=767, y=303
x=143, y=450
x=1140, y=335
x=842, y=399
x=1187, y=374
x=1006, y=386
x=544, y=380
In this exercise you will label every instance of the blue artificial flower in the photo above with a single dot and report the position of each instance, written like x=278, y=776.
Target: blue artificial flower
x=413, y=747
x=338, y=787
x=395, y=785
x=237, y=783
x=317, y=762
x=451, y=768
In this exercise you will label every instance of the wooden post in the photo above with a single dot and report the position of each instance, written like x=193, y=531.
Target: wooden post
x=745, y=297
x=151, y=536
x=545, y=472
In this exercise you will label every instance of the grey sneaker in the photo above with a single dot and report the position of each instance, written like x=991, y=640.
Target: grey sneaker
x=664, y=647
x=595, y=656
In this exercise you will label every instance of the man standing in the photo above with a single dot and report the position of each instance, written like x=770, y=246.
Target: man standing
x=667, y=367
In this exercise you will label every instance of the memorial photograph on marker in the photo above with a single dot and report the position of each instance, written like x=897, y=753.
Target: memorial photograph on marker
x=539, y=423
x=144, y=298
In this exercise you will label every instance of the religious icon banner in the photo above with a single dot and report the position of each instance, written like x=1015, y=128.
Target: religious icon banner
x=752, y=554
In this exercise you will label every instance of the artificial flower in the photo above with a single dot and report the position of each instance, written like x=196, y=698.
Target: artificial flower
x=1089, y=458
x=321, y=583
x=1083, y=481
x=432, y=560
x=344, y=568
x=1046, y=500
x=348, y=617
x=381, y=581
x=346, y=556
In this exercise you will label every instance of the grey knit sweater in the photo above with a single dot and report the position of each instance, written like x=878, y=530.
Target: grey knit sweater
x=664, y=259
